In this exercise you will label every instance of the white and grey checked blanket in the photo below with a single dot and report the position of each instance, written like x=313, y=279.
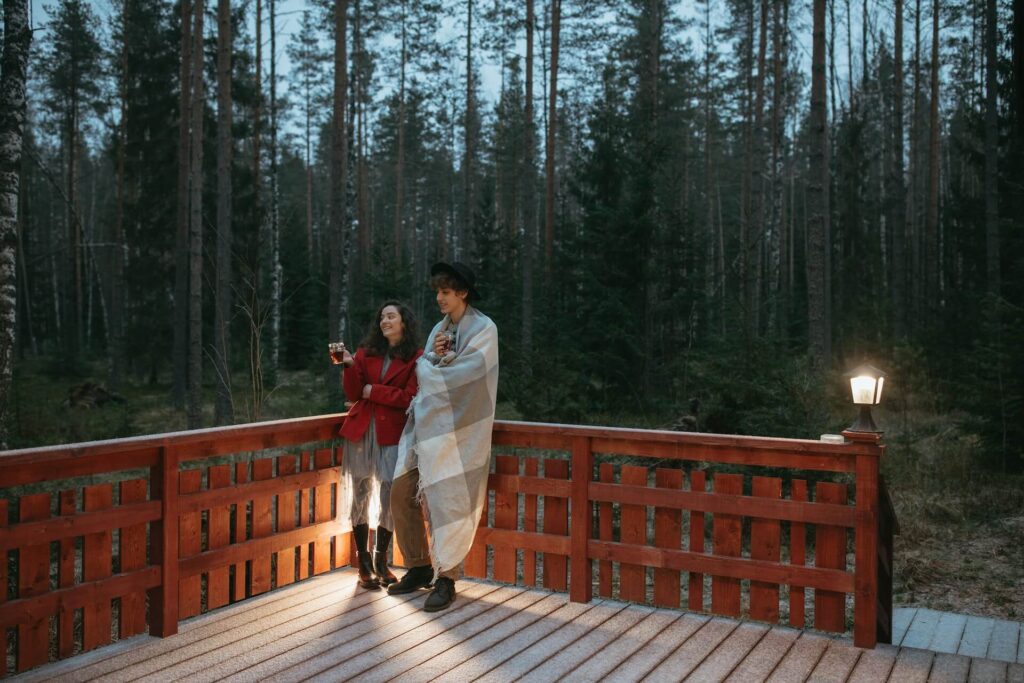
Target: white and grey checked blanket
x=448, y=435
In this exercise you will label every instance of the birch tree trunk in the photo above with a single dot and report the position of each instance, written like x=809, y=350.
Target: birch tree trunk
x=932, y=267
x=400, y=161
x=529, y=208
x=115, y=289
x=274, y=227
x=818, y=201
x=338, y=239
x=467, y=167
x=897, y=188
x=755, y=235
x=17, y=39
x=549, y=143
x=992, y=150
x=181, y=277
x=223, y=406
x=195, y=246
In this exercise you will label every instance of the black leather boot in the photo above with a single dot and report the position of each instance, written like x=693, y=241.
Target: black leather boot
x=414, y=579
x=380, y=558
x=366, y=578
x=441, y=597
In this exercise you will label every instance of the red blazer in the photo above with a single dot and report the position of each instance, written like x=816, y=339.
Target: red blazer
x=389, y=397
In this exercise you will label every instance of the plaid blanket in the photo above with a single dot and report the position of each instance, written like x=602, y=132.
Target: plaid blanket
x=448, y=435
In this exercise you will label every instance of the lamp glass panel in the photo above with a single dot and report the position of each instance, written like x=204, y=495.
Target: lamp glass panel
x=878, y=392
x=863, y=388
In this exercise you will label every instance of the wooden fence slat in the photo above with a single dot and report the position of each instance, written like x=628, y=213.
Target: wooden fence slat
x=668, y=530
x=797, y=556
x=695, y=581
x=830, y=551
x=131, y=552
x=633, y=529
x=343, y=543
x=305, y=498
x=475, y=564
x=765, y=538
x=286, y=522
x=3, y=589
x=605, y=532
x=96, y=564
x=322, y=513
x=727, y=540
x=262, y=470
x=556, y=521
x=240, y=521
x=218, y=535
x=506, y=512
x=34, y=579
x=531, y=466
x=189, y=529
x=65, y=579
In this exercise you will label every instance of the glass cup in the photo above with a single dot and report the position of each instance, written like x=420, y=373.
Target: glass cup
x=337, y=351
x=449, y=340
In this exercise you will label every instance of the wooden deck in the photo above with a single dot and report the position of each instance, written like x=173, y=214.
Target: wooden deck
x=327, y=629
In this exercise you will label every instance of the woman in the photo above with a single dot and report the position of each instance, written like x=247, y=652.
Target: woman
x=380, y=381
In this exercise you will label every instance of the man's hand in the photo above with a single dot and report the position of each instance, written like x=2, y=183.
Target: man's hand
x=441, y=344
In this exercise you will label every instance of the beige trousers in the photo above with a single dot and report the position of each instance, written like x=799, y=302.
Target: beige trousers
x=410, y=525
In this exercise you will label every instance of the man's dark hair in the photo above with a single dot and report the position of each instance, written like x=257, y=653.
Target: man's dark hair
x=376, y=344
x=446, y=280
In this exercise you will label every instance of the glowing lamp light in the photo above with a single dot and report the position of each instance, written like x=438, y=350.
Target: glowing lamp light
x=866, y=384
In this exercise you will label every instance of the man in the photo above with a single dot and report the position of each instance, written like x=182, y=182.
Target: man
x=444, y=454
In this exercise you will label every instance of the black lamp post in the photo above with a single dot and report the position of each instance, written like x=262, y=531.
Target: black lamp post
x=866, y=386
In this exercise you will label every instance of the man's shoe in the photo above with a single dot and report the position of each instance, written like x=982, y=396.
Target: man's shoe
x=442, y=595
x=414, y=579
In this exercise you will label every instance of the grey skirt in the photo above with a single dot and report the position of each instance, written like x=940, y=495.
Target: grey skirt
x=369, y=469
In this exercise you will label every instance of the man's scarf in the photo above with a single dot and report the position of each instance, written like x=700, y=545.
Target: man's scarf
x=448, y=435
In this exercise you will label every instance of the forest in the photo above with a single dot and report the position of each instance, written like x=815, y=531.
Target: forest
x=704, y=211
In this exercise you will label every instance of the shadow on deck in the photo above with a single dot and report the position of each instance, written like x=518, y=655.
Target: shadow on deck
x=326, y=628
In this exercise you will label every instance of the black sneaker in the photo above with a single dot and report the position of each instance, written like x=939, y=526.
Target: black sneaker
x=414, y=579
x=442, y=595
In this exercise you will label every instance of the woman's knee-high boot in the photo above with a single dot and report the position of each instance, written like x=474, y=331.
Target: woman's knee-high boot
x=366, y=577
x=380, y=558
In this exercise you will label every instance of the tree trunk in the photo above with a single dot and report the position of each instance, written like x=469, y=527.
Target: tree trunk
x=400, y=161
x=181, y=277
x=223, y=406
x=819, y=337
x=778, y=123
x=992, y=150
x=755, y=236
x=195, y=270
x=17, y=39
x=932, y=279
x=338, y=240
x=897, y=189
x=115, y=288
x=549, y=143
x=468, y=166
x=529, y=209
x=276, y=274
x=914, y=181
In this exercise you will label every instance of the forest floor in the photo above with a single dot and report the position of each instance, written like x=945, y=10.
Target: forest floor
x=961, y=541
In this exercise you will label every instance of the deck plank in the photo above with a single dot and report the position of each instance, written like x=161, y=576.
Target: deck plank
x=874, y=665
x=801, y=659
x=837, y=663
x=384, y=661
x=637, y=665
x=483, y=662
x=493, y=633
x=551, y=645
x=987, y=671
x=949, y=668
x=1003, y=645
x=948, y=633
x=568, y=663
x=922, y=629
x=307, y=653
x=634, y=640
x=912, y=666
x=762, y=660
x=729, y=653
x=265, y=609
x=977, y=635
x=688, y=656
x=901, y=618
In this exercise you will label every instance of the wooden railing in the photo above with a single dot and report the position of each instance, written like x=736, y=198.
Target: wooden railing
x=178, y=524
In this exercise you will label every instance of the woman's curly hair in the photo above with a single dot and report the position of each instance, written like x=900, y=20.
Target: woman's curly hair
x=376, y=344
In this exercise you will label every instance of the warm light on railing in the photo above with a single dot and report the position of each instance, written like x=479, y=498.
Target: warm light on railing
x=866, y=382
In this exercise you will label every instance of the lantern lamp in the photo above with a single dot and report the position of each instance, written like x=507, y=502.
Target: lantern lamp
x=866, y=384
